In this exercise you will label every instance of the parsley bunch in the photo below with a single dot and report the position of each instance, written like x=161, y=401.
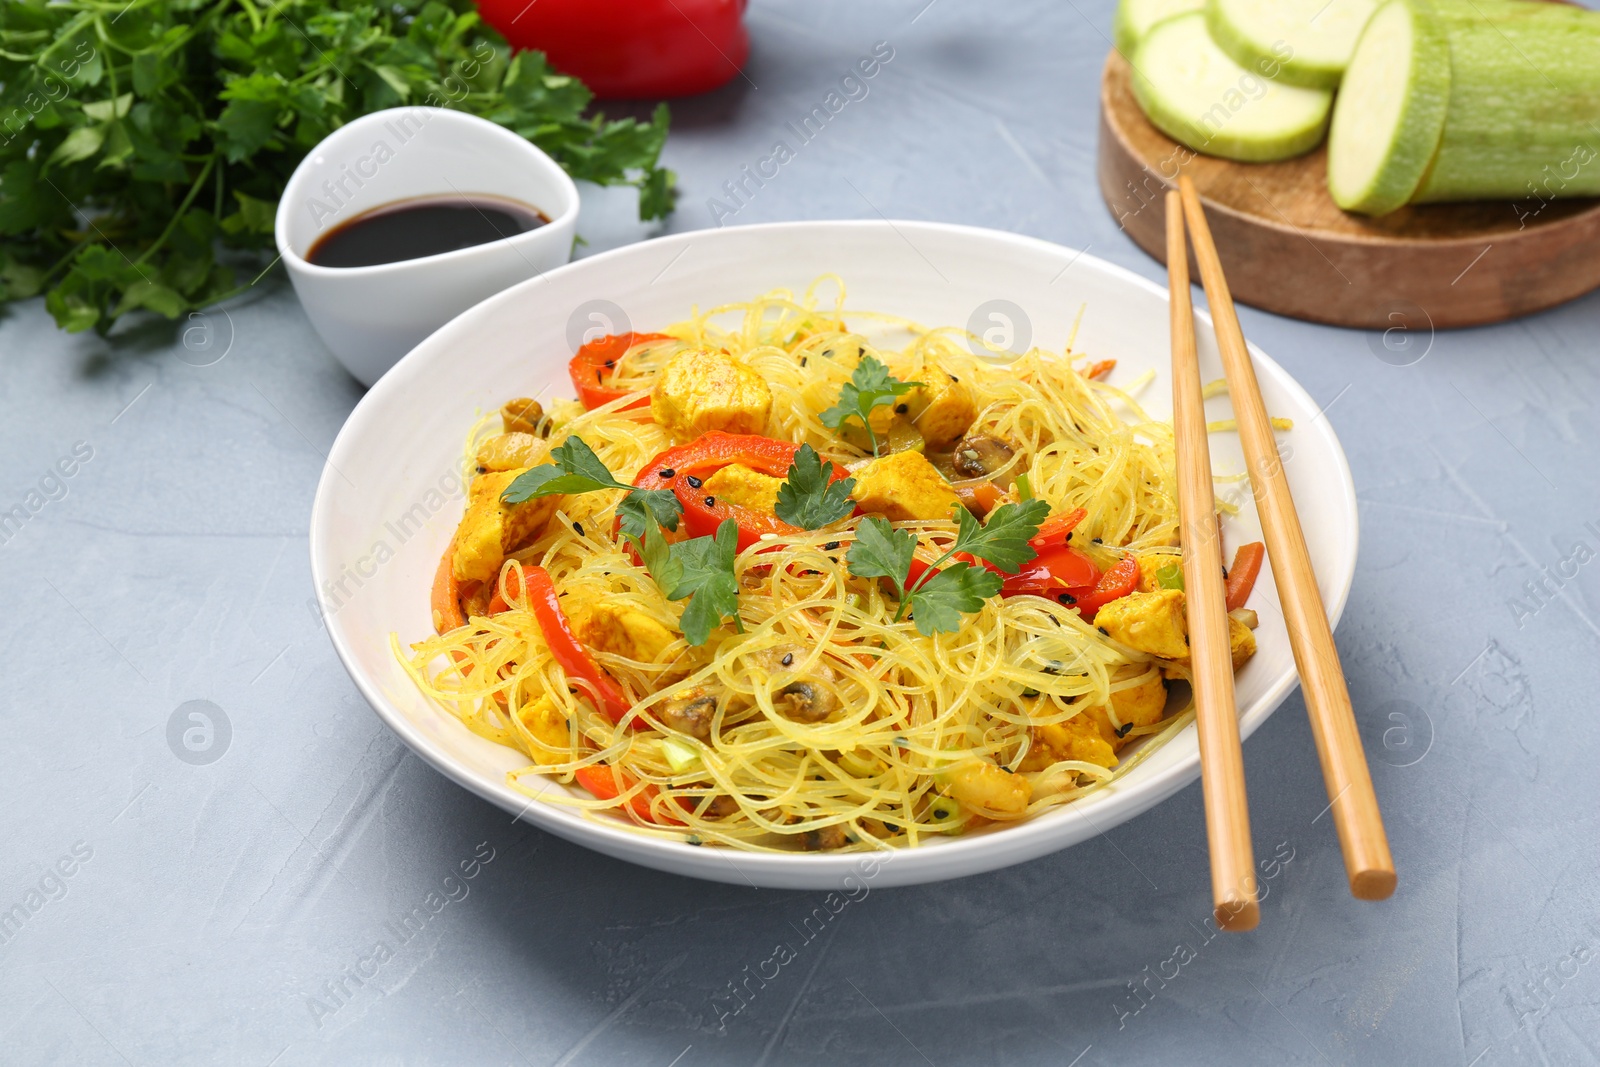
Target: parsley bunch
x=136, y=136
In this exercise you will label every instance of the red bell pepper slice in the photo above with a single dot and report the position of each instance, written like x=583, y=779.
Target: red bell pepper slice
x=568, y=651
x=1054, y=530
x=1058, y=571
x=709, y=453
x=1119, y=581
x=594, y=365
x=607, y=783
x=1244, y=572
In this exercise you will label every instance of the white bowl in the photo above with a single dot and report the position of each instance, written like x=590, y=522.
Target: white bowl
x=371, y=316
x=390, y=496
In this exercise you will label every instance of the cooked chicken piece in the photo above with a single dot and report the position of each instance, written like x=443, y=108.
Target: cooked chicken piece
x=491, y=529
x=1151, y=564
x=988, y=790
x=1138, y=705
x=621, y=631
x=1153, y=623
x=942, y=408
x=545, y=722
x=905, y=486
x=1241, y=642
x=700, y=391
x=1078, y=738
x=508, y=451
x=691, y=713
x=738, y=484
x=521, y=415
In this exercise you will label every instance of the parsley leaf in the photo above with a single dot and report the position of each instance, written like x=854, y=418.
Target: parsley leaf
x=807, y=499
x=644, y=508
x=938, y=603
x=870, y=386
x=700, y=569
x=574, y=468
x=1003, y=540
x=939, y=598
x=881, y=551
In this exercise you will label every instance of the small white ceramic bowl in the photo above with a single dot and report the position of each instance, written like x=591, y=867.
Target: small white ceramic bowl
x=371, y=316
x=390, y=496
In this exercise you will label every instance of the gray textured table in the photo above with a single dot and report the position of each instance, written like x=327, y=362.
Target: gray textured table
x=165, y=910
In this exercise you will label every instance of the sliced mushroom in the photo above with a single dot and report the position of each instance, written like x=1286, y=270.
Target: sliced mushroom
x=828, y=837
x=521, y=415
x=721, y=807
x=808, y=698
x=978, y=455
x=806, y=701
x=690, y=713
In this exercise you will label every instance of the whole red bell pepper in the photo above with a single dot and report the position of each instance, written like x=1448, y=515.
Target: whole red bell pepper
x=630, y=49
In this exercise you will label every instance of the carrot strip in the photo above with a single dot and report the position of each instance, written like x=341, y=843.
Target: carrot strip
x=1244, y=572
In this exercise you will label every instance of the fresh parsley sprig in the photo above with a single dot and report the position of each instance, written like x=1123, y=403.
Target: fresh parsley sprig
x=870, y=386
x=939, y=598
x=807, y=498
x=700, y=569
x=574, y=468
x=139, y=137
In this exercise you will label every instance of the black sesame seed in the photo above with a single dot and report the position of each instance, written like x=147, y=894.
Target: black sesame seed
x=953, y=378
x=597, y=377
x=577, y=527
x=788, y=659
x=711, y=501
x=1069, y=537
x=830, y=546
x=940, y=813
x=667, y=472
x=1066, y=598
x=483, y=470
x=1122, y=731
x=1030, y=692
x=827, y=353
x=803, y=360
x=611, y=363
x=1098, y=541
x=901, y=409
x=694, y=483
x=1103, y=630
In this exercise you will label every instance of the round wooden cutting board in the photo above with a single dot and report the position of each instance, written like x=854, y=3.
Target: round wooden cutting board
x=1287, y=248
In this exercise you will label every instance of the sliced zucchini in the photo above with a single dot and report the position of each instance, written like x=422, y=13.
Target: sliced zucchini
x=1136, y=17
x=1391, y=111
x=1299, y=42
x=1194, y=93
x=1524, y=114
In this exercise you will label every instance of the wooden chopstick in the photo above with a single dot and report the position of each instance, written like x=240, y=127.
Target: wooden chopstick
x=1368, y=863
x=1233, y=865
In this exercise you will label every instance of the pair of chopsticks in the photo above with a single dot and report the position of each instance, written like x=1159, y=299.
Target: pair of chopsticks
x=1368, y=864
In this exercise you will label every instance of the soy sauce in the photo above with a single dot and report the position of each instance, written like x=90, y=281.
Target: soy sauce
x=424, y=226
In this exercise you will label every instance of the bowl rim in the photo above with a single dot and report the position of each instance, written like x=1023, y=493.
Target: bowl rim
x=939, y=861
x=512, y=143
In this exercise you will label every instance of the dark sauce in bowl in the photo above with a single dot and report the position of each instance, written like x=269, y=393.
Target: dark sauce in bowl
x=423, y=226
